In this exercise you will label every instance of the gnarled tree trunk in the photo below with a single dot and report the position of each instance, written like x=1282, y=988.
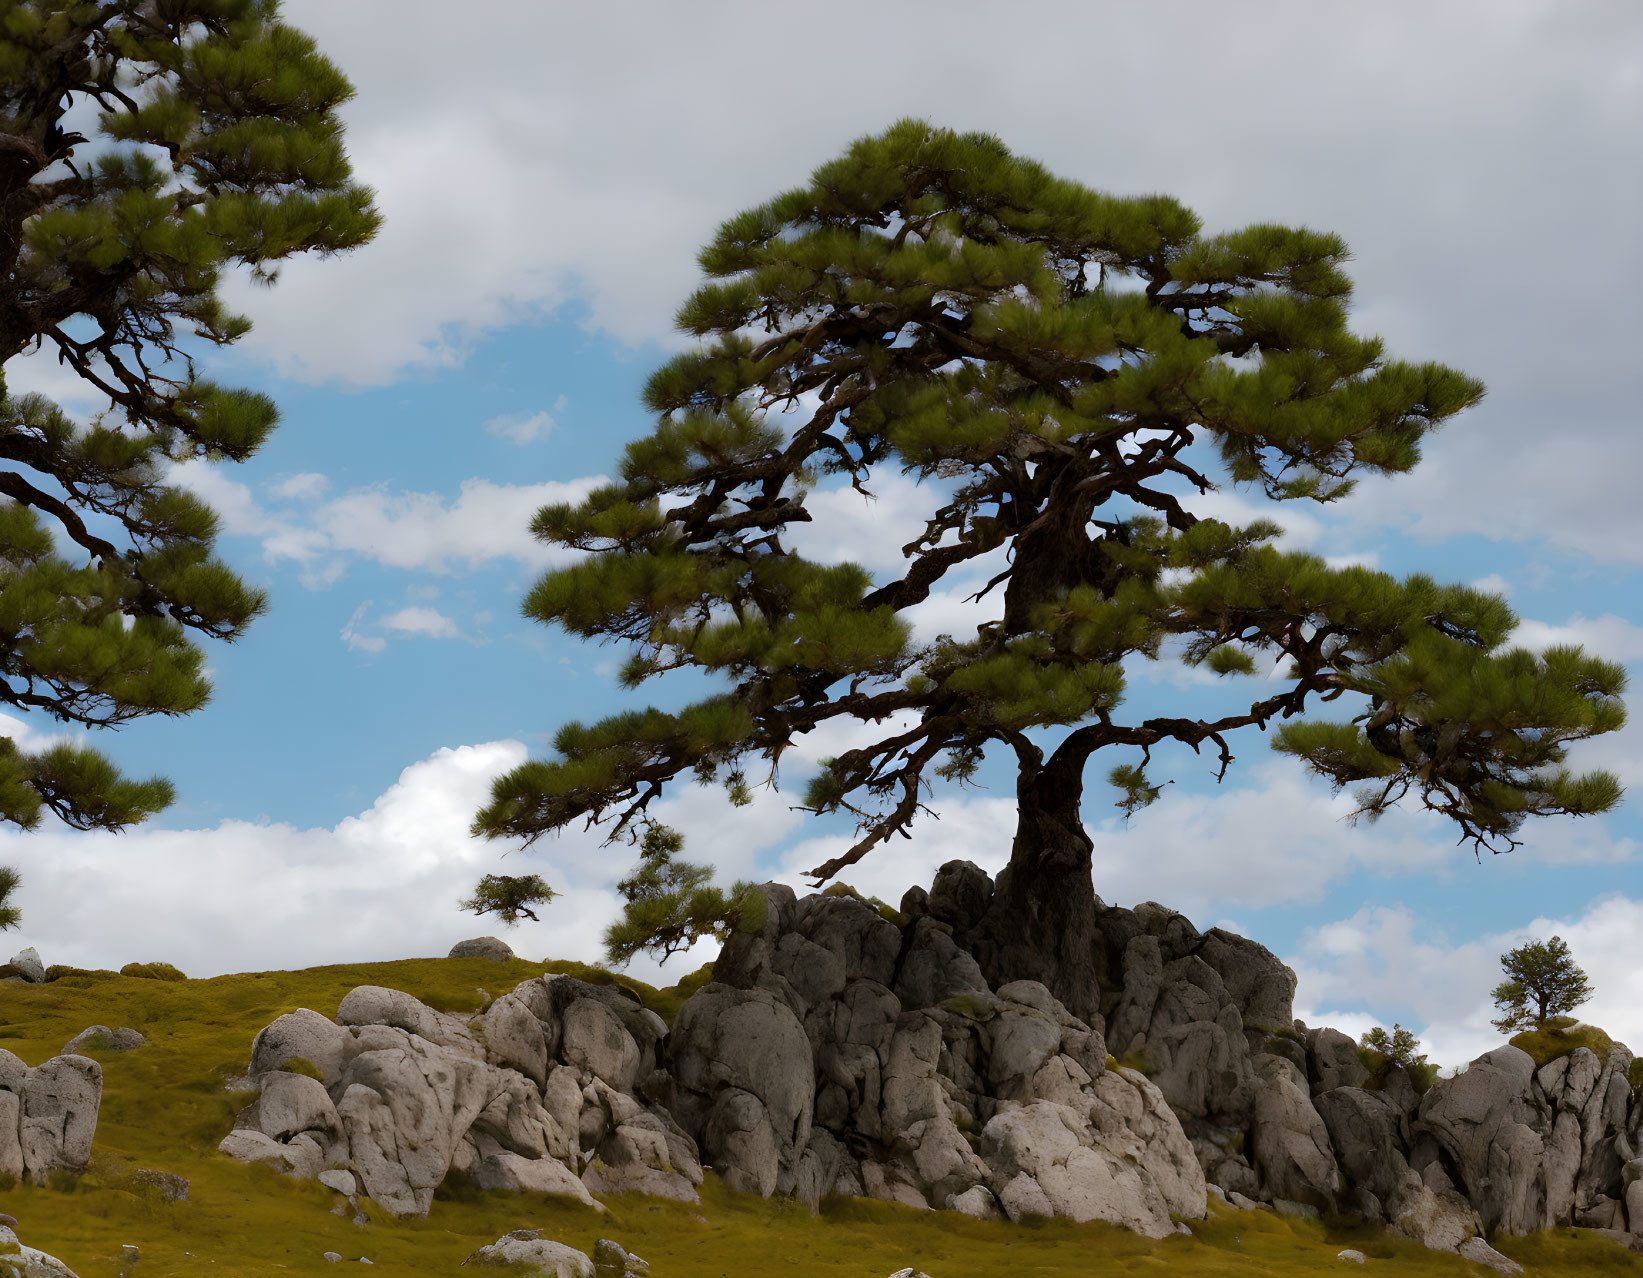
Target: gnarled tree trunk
x=1041, y=924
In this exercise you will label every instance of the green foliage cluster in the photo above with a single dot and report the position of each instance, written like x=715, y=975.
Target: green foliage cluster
x=1063, y=371
x=1398, y=1046
x=670, y=904
x=217, y=147
x=1542, y=982
x=509, y=897
x=153, y=972
x=1382, y=1052
x=10, y=880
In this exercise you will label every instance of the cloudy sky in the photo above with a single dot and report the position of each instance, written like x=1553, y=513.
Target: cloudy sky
x=547, y=173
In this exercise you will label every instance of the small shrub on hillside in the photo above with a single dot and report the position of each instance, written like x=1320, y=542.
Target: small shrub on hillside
x=1382, y=1052
x=1399, y=1046
x=1634, y=1075
x=83, y=975
x=153, y=971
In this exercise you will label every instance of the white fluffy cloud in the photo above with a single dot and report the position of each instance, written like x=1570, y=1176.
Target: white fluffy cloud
x=419, y=531
x=380, y=885
x=1385, y=962
x=29, y=734
x=867, y=529
x=523, y=428
x=421, y=620
x=1611, y=637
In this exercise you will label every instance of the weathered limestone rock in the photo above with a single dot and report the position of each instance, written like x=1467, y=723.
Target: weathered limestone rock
x=485, y=947
x=961, y=894
x=1046, y=1142
x=1334, y=1060
x=168, y=1185
x=26, y=965
x=934, y=969
x=744, y=1075
x=1368, y=1133
x=302, y=1035
x=99, y=1038
x=612, y=1260
x=48, y=1114
x=1291, y=1143
x=1490, y=1125
x=536, y=1255
x=294, y=1103
x=1481, y=1253
x=646, y=1154
x=373, y=1005
x=410, y=1095
x=533, y=1175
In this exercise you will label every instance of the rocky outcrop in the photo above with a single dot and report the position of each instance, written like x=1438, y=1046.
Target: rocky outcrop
x=842, y=1052
x=1531, y=1148
x=553, y=1089
x=844, y=1048
x=48, y=1115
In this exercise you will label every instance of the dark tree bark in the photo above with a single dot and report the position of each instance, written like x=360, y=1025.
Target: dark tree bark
x=1041, y=925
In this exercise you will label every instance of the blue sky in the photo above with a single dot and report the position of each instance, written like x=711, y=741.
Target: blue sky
x=547, y=176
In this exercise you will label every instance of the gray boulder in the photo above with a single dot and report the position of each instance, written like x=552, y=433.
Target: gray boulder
x=745, y=1082
x=302, y=1035
x=961, y=894
x=646, y=1154
x=26, y=965
x=528, y=1250
x=375, y=1005
x=612, y=1260
x=514, y=1172
x=1080, y=1179
x=934, y=969
x=1489, y=1125
x=48, y=1115
x=1334, y=1061
x=485, y=947
x=1292, y=1150
x=1262, y=987
x=99, y=1038
x=1368, y=1133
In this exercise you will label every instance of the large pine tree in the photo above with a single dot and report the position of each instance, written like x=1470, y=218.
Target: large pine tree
x=215, y=145
x=1068, y=371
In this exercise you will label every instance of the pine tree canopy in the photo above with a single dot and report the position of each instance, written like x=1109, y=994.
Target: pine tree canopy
x=1067, y=373
x=216, y=145
x=1542, y=981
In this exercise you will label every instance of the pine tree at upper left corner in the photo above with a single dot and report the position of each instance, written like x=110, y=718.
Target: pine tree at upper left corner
x=217, y=147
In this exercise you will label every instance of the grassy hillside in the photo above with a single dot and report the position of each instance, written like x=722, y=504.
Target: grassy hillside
x=165, y=1107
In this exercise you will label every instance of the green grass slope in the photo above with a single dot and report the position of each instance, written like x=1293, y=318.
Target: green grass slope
x=165, y=1107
